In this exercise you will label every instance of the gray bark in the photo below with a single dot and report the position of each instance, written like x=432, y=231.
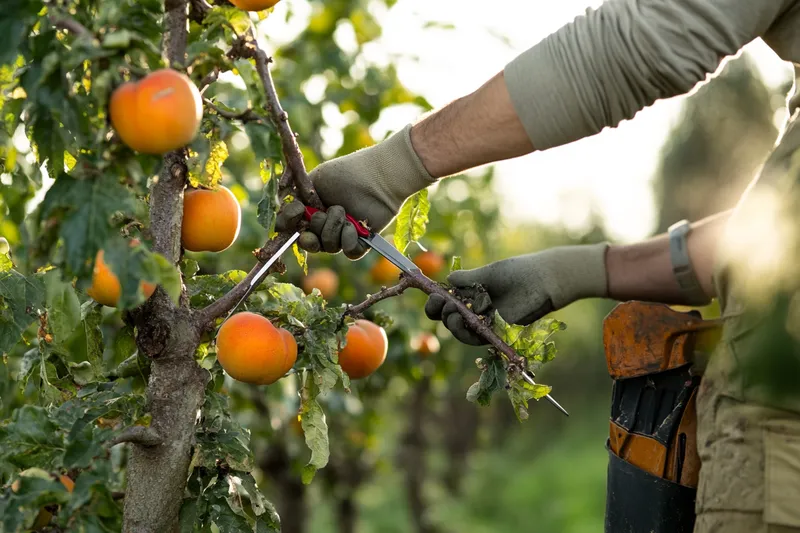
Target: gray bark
x=167, y=334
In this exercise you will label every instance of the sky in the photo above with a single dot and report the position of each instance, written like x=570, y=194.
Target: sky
x=610, y=172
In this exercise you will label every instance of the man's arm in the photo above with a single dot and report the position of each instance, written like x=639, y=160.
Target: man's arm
x=525, y=288
x=593, y=73
x=479, y=128
x=643, y=271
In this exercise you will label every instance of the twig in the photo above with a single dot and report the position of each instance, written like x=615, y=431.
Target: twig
x=291, y=150
x=386, y=292
x=141, y=435
x=65, y=22
x=208, y=79
x=226, y=302
x=419, y=281
x=248, y=115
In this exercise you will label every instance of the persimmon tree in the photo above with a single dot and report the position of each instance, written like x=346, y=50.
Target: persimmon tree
x=124, y=394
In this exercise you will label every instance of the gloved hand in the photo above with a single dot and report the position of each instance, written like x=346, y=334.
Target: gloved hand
x=370, y=184
x=523, y=289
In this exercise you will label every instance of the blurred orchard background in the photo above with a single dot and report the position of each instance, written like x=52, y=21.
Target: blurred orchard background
x=409, y=454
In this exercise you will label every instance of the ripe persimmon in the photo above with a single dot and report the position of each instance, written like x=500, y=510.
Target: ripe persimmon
x=211, y=219
x=323, y=279
x=430, y=263
x=157, y=114
x=106, y=288
x=365, y=350
x=383, y=271
x=252, y=350
x=254, y=5
x=425, y=344
x=291, y=349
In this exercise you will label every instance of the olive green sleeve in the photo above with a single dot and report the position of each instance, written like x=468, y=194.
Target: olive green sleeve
x=613, y=61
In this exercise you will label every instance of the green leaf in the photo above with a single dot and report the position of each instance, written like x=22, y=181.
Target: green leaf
x=204, y=290
x=267, y=519
x=31, y=439
x=92, y=340
x=20, y=300
x=493, y=378
x=315, y=429
x=456, y=263
x=63, y=307
x=89, y=205
x=219, y=437
x=530, y=341
x=118, y=39
x=412, y=220
x=264, y=141
x=520, y=391
x=134, y=264
x=18, y=17
x=268, y=205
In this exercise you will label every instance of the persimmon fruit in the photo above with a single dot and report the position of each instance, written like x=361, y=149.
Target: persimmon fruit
x=430, y=263
x=425, y=344
x=365, y=349
x=106, y=288
x=291, y=350
x=323, y=279
x=383, y=271
x=157, y=114
x=254, y=5
x=211, y=219
x=252, y=350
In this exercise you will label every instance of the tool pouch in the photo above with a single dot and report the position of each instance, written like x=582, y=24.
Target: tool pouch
x=655, y=356
x=639, y=502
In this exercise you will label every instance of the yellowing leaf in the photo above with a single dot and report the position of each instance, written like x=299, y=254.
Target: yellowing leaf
x=412, y=220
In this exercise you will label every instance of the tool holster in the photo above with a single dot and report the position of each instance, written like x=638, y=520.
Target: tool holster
x=656, y=356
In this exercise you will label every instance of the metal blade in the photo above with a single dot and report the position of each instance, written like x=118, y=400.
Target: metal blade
x=257, y=279
x=262, y=271
x=529, y=379
x=382, y=246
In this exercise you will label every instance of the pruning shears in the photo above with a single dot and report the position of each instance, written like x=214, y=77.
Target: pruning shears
x=380, y=245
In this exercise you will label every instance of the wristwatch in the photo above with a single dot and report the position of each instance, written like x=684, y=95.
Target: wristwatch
x=681, y=264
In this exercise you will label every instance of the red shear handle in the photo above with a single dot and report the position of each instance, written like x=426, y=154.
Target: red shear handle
x=361, y=230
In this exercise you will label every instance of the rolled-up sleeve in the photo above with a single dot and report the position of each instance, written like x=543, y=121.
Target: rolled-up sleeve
x=613, y=61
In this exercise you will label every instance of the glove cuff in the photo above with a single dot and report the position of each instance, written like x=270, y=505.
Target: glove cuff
x=582, y=270
x=403, y=173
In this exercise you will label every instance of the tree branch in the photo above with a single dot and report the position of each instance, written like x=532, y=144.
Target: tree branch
x=248, y=47
x=65, y=22
x=248, y=115
x=226, y=302
x=479, y=325
x=176, y=31
x=386, y=292
x=418, y=280
x=141, y=435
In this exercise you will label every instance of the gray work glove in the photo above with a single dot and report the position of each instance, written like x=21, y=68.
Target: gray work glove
x=370, y=184
x=523, y=289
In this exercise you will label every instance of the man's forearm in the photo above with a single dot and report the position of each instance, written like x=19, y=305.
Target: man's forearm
x=477, y=129
x=643, y=271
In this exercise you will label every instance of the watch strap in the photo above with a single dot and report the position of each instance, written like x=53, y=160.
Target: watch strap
x=681, y=262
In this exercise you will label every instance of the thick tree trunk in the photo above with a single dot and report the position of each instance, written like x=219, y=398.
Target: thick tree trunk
x=460, y=438
x=347, y=514
x=290, y=493
x=412, y=457
x=157, y=474
x=167, y=334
